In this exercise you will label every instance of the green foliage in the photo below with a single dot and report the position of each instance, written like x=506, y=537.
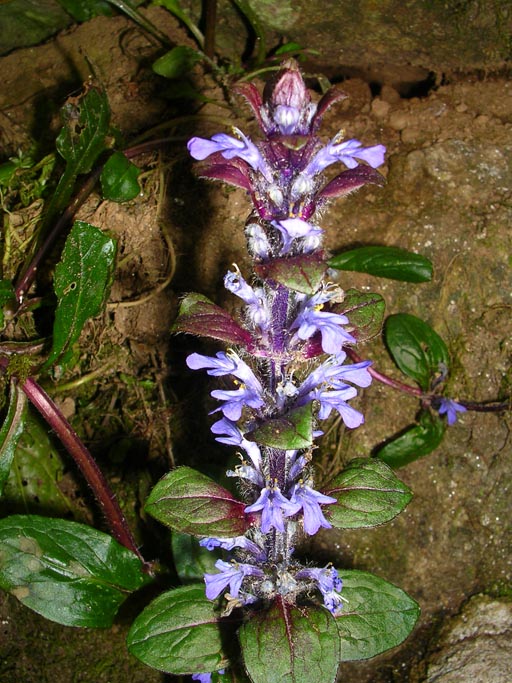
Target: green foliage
x=290, y=645
x=179, y=633
x=191, y=560
x=293, y=430
x=82, y=283
x=11, y=430
x=415, y=442
x=177, y=62
x=83, y=10
x=34, y=483
x=416, y=348
x=67, y=572
x=389, y=262
x=80, y=142
x=302, y=273
x=190, y=502
x=368, y=494
x=376, y=615
x=119, y=179
x=365, y=311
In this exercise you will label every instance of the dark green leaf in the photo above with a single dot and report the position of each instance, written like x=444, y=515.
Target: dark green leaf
x=198, y=315
x=290, y=645
x=375, y=617
x=302, y=273
x=186, y=500
x=368, y=494
x=292, y=431
x=86, y=126
x=119, y=179
x=416, y=348
x=415, y=442
x=287, y=48
x=67, y=572
x=11, y=431
x=80, y=142
x=177, y=62
x=179, y=633
x=83, y=10
x=6, y=298
x=365, y=311
x=36, y=481
x=191, y=560
x=390, y=262
x=82, y=282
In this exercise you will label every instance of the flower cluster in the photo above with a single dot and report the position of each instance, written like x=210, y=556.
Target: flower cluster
x=295, y=370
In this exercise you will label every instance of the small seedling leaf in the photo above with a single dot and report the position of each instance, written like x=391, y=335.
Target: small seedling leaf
x=389, y=262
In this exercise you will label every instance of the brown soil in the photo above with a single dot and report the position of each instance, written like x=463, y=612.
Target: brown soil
x=448, y=196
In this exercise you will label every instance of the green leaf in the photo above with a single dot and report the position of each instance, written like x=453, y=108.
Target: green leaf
x=119, y=179
x=368, y=494
x=289, y=47
x=83, y=10
x=375, y=617
x=6, y=297
x=11, y=430
x=186, y=500
x=291, y=431
x=82, y=283
x=174, y=7
x=36, y=481
x=416, y=348
x=303, y=273
x=191, y=560
x=415, y=442
x=80, y=142
x=290, y=645
x=198, y=315
x=390, y=262
x=67, y=572
x=179, y=633
x=365, y=311
x=177, y=62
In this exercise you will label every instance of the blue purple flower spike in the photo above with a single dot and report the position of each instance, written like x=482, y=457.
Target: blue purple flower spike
x=296, y=364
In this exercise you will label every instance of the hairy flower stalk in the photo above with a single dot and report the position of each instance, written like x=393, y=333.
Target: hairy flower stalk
x=293, y=373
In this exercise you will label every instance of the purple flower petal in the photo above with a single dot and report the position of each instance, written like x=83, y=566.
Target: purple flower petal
x=310, y=501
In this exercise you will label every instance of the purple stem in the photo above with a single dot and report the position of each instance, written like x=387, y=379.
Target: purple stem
x=385, y=379
x=85, y=462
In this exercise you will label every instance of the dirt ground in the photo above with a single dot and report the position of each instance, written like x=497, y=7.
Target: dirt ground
x=448, y=196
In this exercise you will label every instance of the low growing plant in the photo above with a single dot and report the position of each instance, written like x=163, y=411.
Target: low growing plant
x=251, y=605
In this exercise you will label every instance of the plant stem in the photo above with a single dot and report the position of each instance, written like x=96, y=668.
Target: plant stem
x=385, y=379
x=86, y=463
x=210, y=10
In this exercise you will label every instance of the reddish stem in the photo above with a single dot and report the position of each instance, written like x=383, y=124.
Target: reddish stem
x=385, y=379
x=86, y=463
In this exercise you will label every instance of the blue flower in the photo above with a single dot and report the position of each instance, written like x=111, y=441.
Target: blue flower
x=309, y=501
x=241, y=542
x=450, y=408
x=230, y=147
x=231, y=435
x=330, y=325
x=231, y=574
x=272, y=504
x=235, y=400
x=295, y=228
x=347, y=152
x=329, y=584
x=206, y=677
x=250, y=391
x=255, y=299
x=334, y=374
